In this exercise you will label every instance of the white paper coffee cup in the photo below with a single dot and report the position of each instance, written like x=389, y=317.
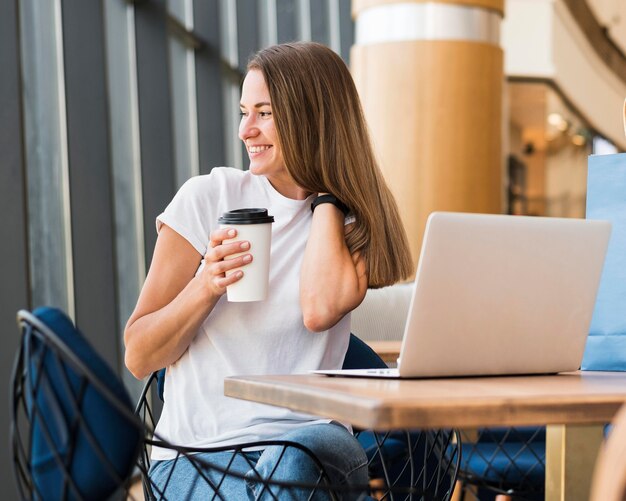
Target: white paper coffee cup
x=255, y=226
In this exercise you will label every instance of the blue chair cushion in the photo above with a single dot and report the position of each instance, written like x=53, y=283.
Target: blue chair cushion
x=513, y=434
x=60, y=396
x=392, y=449
x=508, y=465
x=161, y=383
x=361, y=356
x=507, y=457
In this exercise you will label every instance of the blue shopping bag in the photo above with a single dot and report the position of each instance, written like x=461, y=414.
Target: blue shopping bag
x=606, y=199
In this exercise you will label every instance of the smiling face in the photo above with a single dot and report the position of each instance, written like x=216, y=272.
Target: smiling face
x=258, y=132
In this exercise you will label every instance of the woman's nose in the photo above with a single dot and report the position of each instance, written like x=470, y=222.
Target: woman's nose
x=247, y=128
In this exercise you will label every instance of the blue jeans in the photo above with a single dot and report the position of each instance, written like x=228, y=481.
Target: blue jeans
x=339, y=452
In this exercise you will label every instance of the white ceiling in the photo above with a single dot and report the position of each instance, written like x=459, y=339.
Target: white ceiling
x=612, y=15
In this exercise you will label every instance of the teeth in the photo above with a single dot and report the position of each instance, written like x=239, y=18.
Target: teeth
x=257, y=149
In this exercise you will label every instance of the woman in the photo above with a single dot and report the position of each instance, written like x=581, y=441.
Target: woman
x=303, y=128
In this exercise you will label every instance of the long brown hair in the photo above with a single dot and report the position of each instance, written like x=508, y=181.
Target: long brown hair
x=326, y=147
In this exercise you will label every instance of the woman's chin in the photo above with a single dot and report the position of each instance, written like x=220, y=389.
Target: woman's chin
x=255, y=169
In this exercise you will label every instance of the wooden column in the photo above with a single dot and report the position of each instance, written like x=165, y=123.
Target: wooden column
x=430, y=76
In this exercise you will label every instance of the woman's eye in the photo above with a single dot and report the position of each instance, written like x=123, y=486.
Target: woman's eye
x=265, y=114
x=243, y=114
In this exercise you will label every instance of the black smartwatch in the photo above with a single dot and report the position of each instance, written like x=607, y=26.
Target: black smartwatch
x=330, y=199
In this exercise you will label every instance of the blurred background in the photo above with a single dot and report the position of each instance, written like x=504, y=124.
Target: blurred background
x=107, y=107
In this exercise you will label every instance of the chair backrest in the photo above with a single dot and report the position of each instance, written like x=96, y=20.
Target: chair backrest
x=609, y=477
x=74, y=432
x=382, y=314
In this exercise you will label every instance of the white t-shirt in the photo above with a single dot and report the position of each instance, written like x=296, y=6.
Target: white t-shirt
x=263, y=337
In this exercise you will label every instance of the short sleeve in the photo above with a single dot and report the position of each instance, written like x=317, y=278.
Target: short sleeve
x=192, y=212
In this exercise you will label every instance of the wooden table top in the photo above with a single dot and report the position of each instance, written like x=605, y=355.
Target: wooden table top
x=568, y=398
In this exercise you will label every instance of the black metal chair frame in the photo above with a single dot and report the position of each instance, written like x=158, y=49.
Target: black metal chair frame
x=435, y=444
x=439, y=444
x=519, y=489
x=21, y=432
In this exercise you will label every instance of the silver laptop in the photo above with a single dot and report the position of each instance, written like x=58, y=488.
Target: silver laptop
x=500, y=295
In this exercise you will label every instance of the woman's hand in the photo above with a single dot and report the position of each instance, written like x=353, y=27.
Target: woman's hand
x=222, y=258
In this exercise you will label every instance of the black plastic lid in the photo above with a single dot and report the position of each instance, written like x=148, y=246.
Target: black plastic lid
x=246, y=216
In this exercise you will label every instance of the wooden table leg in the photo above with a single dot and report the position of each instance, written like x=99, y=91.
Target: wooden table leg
x=571, y=453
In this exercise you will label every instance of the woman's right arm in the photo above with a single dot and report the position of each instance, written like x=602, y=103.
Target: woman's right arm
x=174, y=302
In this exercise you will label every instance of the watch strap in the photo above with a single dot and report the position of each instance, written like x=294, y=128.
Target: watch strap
x=330, y=199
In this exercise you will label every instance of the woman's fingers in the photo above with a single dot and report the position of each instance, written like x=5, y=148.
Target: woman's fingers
x=221, y=234
x=219, y=250
x=229, y=279
x=232, y=263
x=218, y=271
x=223, y=251
x=221, y=258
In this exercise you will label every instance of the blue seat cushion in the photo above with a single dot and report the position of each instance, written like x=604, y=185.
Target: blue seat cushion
x=513, y=434
x=161, y=383
x=361, y=356
x=391, y=450
x=57, y=396
x=507, y=465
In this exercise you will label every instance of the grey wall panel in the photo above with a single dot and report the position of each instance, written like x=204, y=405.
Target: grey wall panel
x=45, y=154
x=13, y=251
x=247, y=30
x=93, y=240
x=286, y=21
x=209, y=86
x=319, y=22
x=182, y=77
x=125, y=165
x=346, y=25
x=248, y=42
x=155, y=117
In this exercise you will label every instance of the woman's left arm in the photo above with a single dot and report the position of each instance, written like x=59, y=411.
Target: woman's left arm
x=332, y=281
